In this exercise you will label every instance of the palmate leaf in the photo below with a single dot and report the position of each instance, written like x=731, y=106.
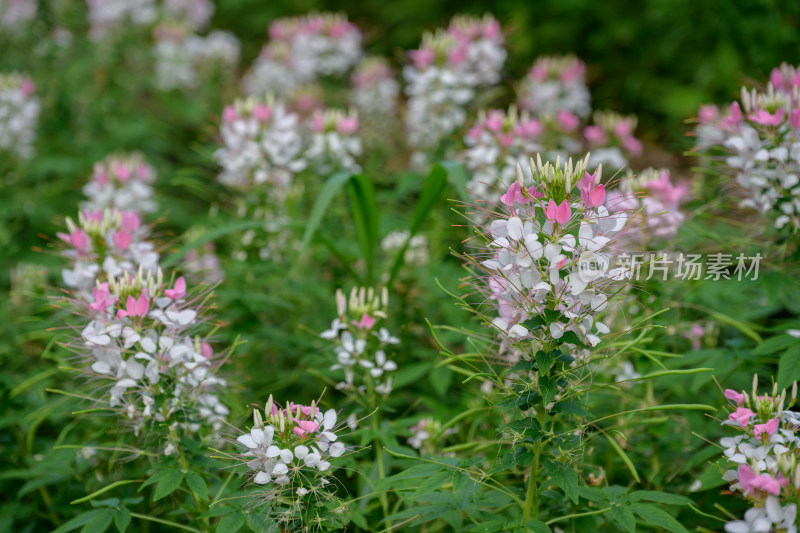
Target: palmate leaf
x=565, y=477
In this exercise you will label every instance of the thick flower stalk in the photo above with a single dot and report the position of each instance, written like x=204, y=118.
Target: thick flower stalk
x=553, y=84
x=104, y=245
x=16, y=14
x=757, y=143
x=542, y=263
x=334, y=144
x=121, y=181
x=360, y=344
x=441, y=81
x=185, y=60
x=495, y=145
x=611, y=141
x=287, y=459
x=19, y=110
x=374, y=88
x=142, y=346
x=655, y=199
x=763, y=461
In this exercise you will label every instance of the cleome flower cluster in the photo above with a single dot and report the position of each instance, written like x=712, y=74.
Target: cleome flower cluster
x=185, y=60
x=495, y=145
x=121, y=181
x=360, y=344
x=107, y=17
x=762, y=460
x=757, y=143
x=443, y=76
x=302, y=49
x=141, y=344
x=544, y=255
x=287, y=456
x=19, y=110
x=556, y=84
x=104, y=245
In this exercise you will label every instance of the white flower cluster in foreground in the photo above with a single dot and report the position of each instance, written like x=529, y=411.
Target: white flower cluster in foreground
x=121, y=181
x=763, y=459
x=302, y=49
x=140, y=343
x=445, y=72
x=288, y=456
x=360, y=345
x=184, y=61
x=19, y=110
x=546, y=256
x=760, y=143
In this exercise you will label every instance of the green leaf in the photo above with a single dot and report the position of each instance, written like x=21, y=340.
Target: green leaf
x=789, y=367
x=660, y=497
x=326, y=195
x=431, y=484
x=488, y=527
x=212, y=235
x=198, y=485
x=657, y=517
x=565, y=477
x=168, y=484
x=623, y=517
x=416, y=471
x=230, y=523
x=364, y=208
x=122, y=519
x=78, y=521
x=774, y=344
x=432, y=190
x=537, y=527
x=99, y=522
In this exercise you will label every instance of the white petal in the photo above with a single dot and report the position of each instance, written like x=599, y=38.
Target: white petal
x=262, y=478
x=248, y=441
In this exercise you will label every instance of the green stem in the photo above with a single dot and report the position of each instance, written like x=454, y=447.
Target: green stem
x=381, y=467
x=531, y=509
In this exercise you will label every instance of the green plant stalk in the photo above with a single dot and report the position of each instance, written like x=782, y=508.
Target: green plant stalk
x=531, y=509
x=382, y=497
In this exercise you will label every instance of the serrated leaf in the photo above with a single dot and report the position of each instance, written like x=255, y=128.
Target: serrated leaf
x=565, y=477
x=623, y=517
x=168, y=484
x=657, y=517
x=230, y=523
x=198, y=485
x=122, y=519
